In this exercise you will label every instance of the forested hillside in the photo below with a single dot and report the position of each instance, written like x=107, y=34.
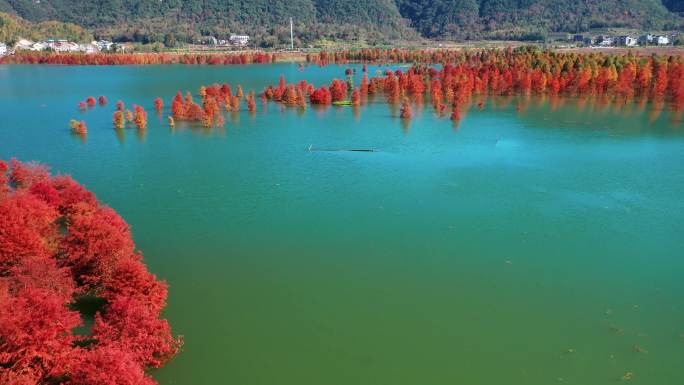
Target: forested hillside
x=372, y=21
x=519, y=18
x=12, y=27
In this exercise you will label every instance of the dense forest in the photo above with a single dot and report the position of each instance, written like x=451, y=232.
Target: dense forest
x=370, y=21
x=12, y=27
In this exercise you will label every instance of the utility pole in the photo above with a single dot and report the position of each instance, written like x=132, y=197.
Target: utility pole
x=291, y=36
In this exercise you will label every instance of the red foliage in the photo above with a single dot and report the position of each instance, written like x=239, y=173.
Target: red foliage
x=82, y=129
x=251, y=103
x=235, y=103
x=106, y=365
x=356, y=97
x=338, y=90
x=321, y=96
x=177, y=107
x=290, y=96
x=90, y=101
x=364, y=84
x=118, y=119
x=140, y=117
x=27, y=57
x=158, y=104
x=119, y=105
x=406, y=112
x=57, y=242
x=102, y=100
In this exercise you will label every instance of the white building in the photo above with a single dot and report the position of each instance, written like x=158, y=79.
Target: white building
x=23, y=44
x=604, y=41
x=3, y=49
x=38, y=46
x=103, y=45
x=58, y=45
x=88, y=48
x=646, y=39
x=662, y=40
x=627, y=41
x=239, y=40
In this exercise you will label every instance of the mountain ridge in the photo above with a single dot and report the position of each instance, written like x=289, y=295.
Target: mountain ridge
x=370, y=21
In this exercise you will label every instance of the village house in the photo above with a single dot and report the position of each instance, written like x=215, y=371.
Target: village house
x=627, y=41
x=662, y=40
x=88, y=48
x=23, y=44
x=604, y=41
x=239, y=40
x=38, y=46
x=57, y=44
x=104, y=45
x=646, y=39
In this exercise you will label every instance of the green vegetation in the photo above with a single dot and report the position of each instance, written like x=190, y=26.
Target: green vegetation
x=370, y=22
x=531, y=19
x=13, y=28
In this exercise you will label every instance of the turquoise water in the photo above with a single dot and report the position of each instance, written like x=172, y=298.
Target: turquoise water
x=526, y=246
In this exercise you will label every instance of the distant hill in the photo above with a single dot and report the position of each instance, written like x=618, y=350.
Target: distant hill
x=517, y=18
x=13, y=27
x=373, y=21
x=187, y=20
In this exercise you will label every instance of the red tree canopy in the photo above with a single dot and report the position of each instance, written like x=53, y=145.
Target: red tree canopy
x=57, y=244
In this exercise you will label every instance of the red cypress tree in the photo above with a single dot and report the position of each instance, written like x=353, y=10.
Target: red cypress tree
x=405, y=112
x=118, y=119
x=356, y=97
x=251, y=103
x=140, y=117
x=158, y=104
x=43, y=266
x=177, y=107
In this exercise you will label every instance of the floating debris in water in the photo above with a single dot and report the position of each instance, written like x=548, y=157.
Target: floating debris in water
x=627, y=376
x=608, y=312
x=639, y=349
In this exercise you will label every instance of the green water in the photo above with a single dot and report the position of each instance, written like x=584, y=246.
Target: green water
x=476, y=255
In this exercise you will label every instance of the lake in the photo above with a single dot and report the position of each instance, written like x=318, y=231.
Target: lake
x=539, y=242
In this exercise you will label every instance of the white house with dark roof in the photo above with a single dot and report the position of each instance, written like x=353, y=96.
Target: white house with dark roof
x=239, y=40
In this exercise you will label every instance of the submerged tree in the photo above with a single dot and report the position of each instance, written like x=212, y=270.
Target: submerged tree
x=140, y=117
x=158, y=104
x=57, y=243
x=118, y=119
x=405, y=112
